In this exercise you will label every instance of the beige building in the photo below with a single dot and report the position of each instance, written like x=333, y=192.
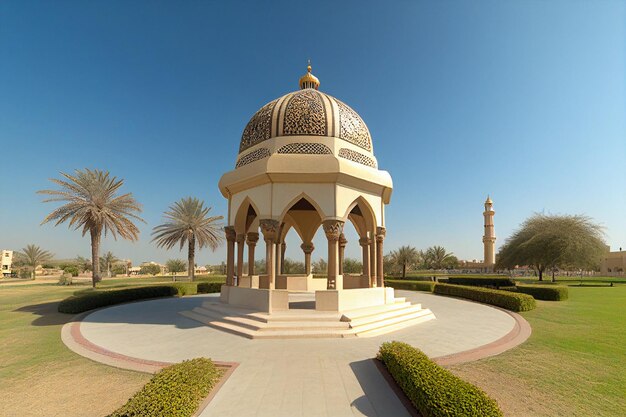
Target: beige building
x=613, y=262
x=7, y=262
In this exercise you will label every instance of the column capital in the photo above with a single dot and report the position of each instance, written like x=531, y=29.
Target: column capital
x=269, y=228
x=283, y=245
x=380, y=234
x=252, y=238
x=307, y=247
x=333, y=229
x=364, y=241
x=240, y=238
x=342, y=241
x=231, y=235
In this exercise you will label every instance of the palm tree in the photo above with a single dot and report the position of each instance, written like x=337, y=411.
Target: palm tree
x=404, y=257
x=438, y=257
x=188, y=222
x=107, y=261
x=92, y=203
x=33, y=256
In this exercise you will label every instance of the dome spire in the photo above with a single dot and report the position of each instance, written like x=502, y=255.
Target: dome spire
x=309, y=80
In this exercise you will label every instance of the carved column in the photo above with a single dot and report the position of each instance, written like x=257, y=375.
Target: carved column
x=308, y=249
x=241, y=239
x=230, y=253
x=269, y=228
x=342, y=249
x=380, y=236
x=333, y=229
x=283, y=249
x=365, y=245
x=373, y=271
x=252, y=239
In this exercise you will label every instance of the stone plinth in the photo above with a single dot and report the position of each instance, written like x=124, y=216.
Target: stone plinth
x=258, y=299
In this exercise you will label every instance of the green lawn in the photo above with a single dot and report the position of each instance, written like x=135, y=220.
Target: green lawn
x=40, y=376
x=574, y=364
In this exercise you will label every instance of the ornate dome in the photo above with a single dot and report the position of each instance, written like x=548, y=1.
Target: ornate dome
x=307, y=112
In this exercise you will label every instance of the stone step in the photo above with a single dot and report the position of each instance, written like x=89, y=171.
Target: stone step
x=392, y=324
x=372, y=311
x=236, y=330
x=234, y=311
x=242, y=321
x=304, y=334
x=397, y=326
x=363, y=320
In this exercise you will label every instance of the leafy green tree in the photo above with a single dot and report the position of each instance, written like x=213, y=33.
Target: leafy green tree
x=188, y=221
x=551, y=242
x=175, y=266
x=352, y=266
x=72, y=270
x=451, y=262
x=32, y=256
x=119, y=269
x=92, y=203
x=436, y=257
x=405, y=257
x=259, y=267
x=107, y=261
x=293, y=267
x=150, y=269
x=83, y=264
x=320, y=267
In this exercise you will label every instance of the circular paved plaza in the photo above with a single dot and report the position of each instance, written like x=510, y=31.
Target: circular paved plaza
x=291, y=377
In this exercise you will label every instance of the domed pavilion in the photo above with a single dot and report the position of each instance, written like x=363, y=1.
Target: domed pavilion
x=306, y=160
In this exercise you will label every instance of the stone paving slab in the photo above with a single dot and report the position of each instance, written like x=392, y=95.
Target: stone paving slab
x=293, y=377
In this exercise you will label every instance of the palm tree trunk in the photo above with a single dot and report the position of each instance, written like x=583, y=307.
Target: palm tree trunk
x=540, y=274
x=191, y=268
x=95, y=257
x=403, y=271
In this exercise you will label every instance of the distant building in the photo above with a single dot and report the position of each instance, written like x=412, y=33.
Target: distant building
x=7, y=262
x=489, y=238
x=613, y=262
x=163, y=267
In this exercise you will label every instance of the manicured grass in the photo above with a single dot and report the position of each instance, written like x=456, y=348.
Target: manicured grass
x=572, y=365
x=39, y=375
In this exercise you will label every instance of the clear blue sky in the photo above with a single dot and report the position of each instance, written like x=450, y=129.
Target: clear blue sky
x=523, y=100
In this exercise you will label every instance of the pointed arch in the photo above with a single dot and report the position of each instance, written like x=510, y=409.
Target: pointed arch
x=304, y=215
x=363, y=210
x=246, y=213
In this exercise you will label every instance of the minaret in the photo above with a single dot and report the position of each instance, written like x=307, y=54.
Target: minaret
x=489, y=239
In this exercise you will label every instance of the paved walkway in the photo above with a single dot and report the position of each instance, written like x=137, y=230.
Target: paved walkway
x=297, y=377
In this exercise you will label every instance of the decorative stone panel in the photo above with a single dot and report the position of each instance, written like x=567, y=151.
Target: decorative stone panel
x=252, y=157
x=258, y=128
x=352, y=127
x=357, y=157
x=305, y=114
x=305, y=148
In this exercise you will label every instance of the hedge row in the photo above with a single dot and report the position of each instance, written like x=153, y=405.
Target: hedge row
x=411, y=285
x=434, y=391
x=482, y=281
x=545, y=292
x=505, y=299
x=209, y=287
x=175, y=391
x=89, y=301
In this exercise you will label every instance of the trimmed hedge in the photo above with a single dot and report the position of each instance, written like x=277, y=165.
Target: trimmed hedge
x=175, y=391
x=435, y=391
x=482, y=281
x=510, y=300
x=545, y=292
x=411, y=285
x=209, y=287
x=89, y=301
x=185, y=288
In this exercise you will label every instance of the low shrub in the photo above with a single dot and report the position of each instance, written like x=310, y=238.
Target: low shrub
x=435, y=391
x=89, y=301
x=510, y=300
x=175, y=391
x=71, y=269
x=485, y=281
x=545, y=292
x=411, y=285
x=209, y=287
x=185, y=288
x=65, y=279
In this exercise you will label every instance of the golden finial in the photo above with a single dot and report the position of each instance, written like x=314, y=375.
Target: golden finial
x=309, y=80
